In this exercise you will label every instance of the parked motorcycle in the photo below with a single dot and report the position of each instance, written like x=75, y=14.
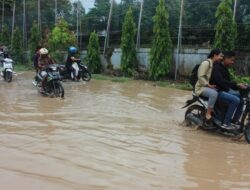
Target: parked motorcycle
x=53, y=86
x=81, y=71
x=197, y=107
x=6, y=68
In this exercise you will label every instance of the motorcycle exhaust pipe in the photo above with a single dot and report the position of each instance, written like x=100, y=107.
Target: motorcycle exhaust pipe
x=191, y=117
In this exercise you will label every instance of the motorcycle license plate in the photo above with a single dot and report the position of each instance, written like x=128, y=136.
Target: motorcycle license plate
x=56, y=75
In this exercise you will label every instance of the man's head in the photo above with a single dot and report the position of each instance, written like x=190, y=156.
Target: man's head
x=229, y=58
x=43, y=52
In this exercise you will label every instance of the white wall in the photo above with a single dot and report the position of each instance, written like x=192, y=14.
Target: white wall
x=188, y=58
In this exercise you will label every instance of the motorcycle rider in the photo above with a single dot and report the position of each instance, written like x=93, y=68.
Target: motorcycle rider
x=43, y=61
x=228, y=91
x=203, y=87
x=72, y=51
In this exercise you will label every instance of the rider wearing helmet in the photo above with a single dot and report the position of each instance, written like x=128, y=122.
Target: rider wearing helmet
x=71, y=59
x=43, y=61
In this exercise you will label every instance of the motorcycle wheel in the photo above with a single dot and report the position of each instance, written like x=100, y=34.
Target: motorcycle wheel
x=197, y=111
x=8, y=76
x=58, y=90
x=245, y=121
x=86, y=75
x=247, y=133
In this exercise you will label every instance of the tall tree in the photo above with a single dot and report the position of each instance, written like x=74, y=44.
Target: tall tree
x=149, y=10
x=93, y=51
x=202, y=10
x=243, y=22
x=17, y=48
x=35, y=38
x=60, y=39
x=123, y=7
x=225, y=27
x=97, y=17
x=5, y=37
x=128, y=59
x=5, y=10
x=161, y=51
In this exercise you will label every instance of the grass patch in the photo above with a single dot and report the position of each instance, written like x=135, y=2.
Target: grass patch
x=101, y=77
x=121, y=79
x=183, y=85
x=110, y=78
x=23, y=67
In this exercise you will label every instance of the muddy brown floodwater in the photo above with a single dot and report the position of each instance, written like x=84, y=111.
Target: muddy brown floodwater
x=111, y=136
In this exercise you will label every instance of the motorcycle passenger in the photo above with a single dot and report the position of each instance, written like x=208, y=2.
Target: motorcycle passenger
x=70, y=60
x=36, y=57
x=43, y=61
x=203, y=87
x=228, y=91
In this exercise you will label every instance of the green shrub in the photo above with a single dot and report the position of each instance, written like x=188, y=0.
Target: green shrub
x=93, y=59
x=225, y=27
x=128, y=59
x=161, y=51
x=60, y=39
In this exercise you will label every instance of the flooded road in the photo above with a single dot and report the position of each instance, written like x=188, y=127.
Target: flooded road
x=111, y=136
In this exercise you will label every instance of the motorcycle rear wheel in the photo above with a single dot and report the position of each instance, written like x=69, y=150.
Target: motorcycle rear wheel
x=197, y=111
x=247, y=133
x=86, y=75
x=8, y=76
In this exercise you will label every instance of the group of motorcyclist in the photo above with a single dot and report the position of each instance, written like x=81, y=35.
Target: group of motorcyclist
x=42, y=60
x=214, y=82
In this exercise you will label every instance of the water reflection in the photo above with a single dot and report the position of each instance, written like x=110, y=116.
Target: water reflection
x=108, y=135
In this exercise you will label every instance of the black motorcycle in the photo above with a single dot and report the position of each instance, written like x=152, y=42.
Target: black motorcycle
x=53, y=86
x=197, y=107
x=80, y=71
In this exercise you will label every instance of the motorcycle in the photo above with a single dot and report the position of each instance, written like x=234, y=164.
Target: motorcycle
x=197, y=107
x=53, y=87
x=81, y=71
x=7, y=69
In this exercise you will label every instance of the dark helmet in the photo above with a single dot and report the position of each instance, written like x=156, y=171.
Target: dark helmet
x=72, y=50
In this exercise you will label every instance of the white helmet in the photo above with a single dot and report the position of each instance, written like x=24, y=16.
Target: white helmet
x=43, y=51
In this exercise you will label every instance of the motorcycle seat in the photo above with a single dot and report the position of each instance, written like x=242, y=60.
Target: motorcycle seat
x=200, y=96
x=203, y=98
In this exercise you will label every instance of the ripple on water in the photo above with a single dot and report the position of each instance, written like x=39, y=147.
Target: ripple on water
x=106, y=135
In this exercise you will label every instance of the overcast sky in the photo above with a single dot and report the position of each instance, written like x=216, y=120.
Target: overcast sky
x=87, y=4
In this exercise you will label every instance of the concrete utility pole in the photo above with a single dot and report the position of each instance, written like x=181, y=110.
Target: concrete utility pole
x=13, y=23
x=108, y=28
x=3, y=15
x=77, y=22
x=80, y=29
x=24, y=26
x=235, y=7
x=139, y=27
x=39, y=15
x=179, y=40
x=55, y=12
